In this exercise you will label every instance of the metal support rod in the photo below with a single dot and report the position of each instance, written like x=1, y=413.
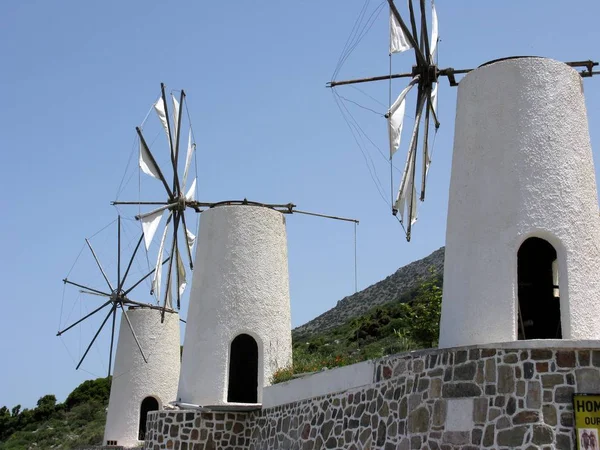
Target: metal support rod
x=118, y=252
x=133, y=332
x=128, y=301
x=156, y=166
x=112, y=339
x=324, y=216
x=185, y=230
x=154, y=211
x=177, y=138
x=144, y=277
x=99, y=265
x=85, y=287
x=116, y=202
x=425, y=142
x=424, y=35
x=412, y=39
x=122, y=282
x=176, y=186
x=83, y=318
x=413, y=25
x=95, y=336
x=93, y=293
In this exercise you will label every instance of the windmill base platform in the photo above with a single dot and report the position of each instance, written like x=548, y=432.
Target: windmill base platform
x=511, y=395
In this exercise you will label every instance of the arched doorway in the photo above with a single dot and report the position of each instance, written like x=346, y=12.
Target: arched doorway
x=243, y=370
x=538, y=291
x=148, y=404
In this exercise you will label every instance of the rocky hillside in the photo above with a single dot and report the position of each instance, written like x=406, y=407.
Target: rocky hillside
x=400, y=283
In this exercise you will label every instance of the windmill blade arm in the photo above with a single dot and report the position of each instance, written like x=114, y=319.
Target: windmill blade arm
x=83, y=318
x=99, y=265
x=127, y=300
x=95, y=336
x=425, y=148
x=178, y=133
x=424, y=33
x=93, y=293
x=133, y=332
x=189, y=251
x=112, y=340
x=96, y=291
x=122, y=282
x=176, y=186
x=159, y=172
x=144, y=277
x=412, y=148
x=154, y=211
x=411, y=38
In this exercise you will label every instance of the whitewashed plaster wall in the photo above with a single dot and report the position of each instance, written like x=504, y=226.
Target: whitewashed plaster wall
x=240, y=285
x=522, y=167
x=134, y=380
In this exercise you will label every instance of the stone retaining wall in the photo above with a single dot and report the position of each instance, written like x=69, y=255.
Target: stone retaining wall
x=441, y=399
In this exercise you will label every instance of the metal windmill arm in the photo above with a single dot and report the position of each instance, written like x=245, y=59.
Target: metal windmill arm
x=420, y=58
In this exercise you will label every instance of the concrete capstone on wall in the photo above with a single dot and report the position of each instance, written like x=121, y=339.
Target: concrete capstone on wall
x=490, y=397
x=522, y=167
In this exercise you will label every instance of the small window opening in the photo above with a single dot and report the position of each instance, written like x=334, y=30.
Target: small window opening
x=243, y=370
x=148, y=404
x=538, y=291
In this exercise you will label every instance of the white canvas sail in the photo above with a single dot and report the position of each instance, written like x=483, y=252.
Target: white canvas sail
x=147, y=164
x=191, y=193
x=396, y=118
x=407, y=192
x=181, y=275
x=434, y=31
x=188, y=158
x=398, y=41
x=159, y=107
x=150, y=225
x=156, y=282
x=175, y=116
x=190, y=239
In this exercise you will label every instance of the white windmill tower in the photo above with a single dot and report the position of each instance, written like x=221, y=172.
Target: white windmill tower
x=523, y=231
x=240, y=294
x=147, y=359
x=238, y=328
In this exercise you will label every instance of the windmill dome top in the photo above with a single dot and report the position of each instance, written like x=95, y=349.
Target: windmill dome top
x=506, y=58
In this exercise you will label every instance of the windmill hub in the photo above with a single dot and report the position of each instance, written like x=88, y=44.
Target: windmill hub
x=117, y=295
x=428, y=73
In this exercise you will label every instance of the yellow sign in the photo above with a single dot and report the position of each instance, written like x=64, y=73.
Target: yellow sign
x=587, y=421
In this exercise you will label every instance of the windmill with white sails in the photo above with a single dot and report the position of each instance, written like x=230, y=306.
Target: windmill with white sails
x=415, y=34
x=180, y=195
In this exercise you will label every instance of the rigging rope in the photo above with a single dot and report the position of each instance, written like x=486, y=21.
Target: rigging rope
x=349, y=48
x=350, y=125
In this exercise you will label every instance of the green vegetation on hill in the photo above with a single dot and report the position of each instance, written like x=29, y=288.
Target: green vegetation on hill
x=77, y=422
x=410, y=322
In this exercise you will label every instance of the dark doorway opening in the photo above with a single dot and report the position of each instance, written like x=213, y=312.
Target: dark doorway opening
x=243, y=370
x=148, y=404
x=538, y=291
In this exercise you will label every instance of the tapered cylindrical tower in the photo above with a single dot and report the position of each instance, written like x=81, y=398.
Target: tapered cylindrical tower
x=523, y=233
x=238, y=330
x=137, y=386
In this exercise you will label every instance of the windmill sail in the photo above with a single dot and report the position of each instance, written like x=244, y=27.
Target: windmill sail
x=159, y=107
x=396, y=117
x=398, y=40
x=434, y=31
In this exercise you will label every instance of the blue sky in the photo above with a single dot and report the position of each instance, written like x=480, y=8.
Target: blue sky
x=79, y=76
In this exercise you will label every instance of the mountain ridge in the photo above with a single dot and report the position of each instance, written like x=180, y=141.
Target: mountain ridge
x=389, y=289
